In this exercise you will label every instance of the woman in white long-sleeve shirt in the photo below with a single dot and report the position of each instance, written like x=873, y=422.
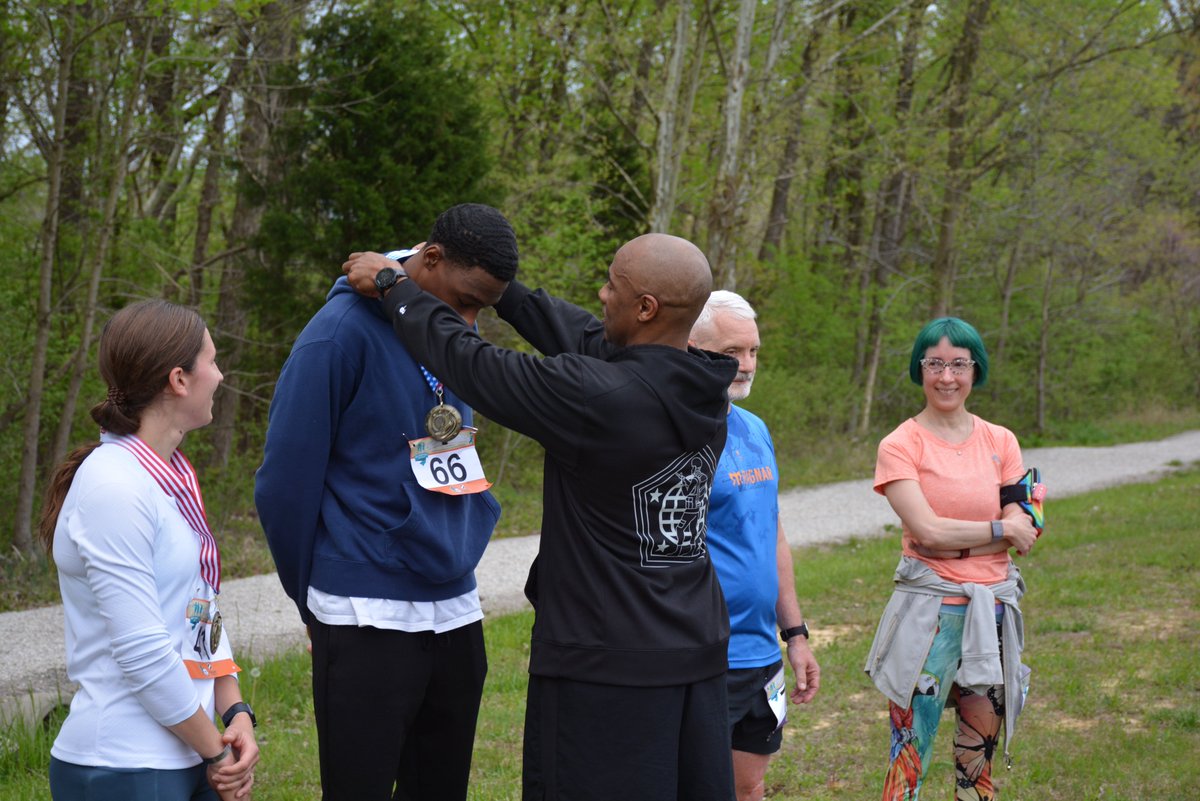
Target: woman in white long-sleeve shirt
x=139, y=573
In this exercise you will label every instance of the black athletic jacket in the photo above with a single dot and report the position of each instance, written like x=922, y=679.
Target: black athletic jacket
x=623, y=589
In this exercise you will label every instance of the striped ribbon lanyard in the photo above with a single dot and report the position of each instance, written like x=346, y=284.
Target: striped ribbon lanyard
x=434, y=384
x=178, y=479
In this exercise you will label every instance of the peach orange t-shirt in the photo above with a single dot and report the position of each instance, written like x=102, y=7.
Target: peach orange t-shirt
x=960, y=481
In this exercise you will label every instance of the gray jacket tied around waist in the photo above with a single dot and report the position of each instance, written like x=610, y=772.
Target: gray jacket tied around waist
x=909, y=623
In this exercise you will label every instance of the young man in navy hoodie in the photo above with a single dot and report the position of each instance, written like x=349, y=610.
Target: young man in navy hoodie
x=377, y=554
x=628, y=653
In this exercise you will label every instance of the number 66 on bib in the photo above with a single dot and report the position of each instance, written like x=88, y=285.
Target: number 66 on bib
x=451, y=467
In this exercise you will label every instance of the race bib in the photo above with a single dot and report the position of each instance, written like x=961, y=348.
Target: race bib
x=206, y=652
x=450, y=467
x=776, y=690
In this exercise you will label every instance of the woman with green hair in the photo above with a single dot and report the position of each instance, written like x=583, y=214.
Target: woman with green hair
x=952, y=632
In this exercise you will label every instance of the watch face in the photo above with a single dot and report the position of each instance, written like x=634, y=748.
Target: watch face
x=385, y=279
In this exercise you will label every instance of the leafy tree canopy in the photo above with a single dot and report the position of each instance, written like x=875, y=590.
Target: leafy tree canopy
x=384, y=136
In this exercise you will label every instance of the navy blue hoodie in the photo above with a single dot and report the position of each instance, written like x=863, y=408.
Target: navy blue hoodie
x=336, y=494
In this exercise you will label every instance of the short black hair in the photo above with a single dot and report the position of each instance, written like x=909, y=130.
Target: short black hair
x=475, y=235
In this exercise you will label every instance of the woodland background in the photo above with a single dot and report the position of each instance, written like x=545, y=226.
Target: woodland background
x=853, y=168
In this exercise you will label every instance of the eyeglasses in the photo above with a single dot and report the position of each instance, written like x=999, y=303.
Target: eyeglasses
x=957, y=366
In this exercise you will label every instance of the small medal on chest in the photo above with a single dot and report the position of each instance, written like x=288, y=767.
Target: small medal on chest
x=443, y=422
x=205, y=620
x=446, y=461
x=205, y=652
x=214, y=634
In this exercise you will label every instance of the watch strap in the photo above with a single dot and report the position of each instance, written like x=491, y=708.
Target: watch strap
x=794, y=631
x=997, y=530
x=236, y=709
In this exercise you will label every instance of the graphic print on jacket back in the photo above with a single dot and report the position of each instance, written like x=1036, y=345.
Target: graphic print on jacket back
x=671, y=510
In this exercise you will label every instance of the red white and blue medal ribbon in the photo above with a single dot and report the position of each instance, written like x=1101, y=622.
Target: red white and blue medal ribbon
x=178, y=479
x=432, y=380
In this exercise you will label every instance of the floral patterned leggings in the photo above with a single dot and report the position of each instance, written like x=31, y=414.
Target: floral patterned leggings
x=980, y=717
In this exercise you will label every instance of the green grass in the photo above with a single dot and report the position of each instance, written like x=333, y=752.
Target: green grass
x=1111, y=628
x=1112, y=625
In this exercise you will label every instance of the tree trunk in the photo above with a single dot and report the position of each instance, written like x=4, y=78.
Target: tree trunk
x=763, y=100
x=667, y=176
x=845, y=198
x=891, y=216
x=214, y=142
x=777, y=217
x=1006, y=295
x=274, y=45
x=872, y=373
x=676, y=147
x=958, y=180
x=639, y=106
x=1044, y=347
x=724, y=210
x=27, y=480
x=97, y=257
x=165, y=139
x=80, y=118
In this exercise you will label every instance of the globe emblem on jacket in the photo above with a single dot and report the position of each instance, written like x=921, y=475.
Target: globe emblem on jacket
x=684, y=508
x=671, y=509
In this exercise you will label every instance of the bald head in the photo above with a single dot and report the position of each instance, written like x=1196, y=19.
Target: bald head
x=671, y=269
x=657, y=285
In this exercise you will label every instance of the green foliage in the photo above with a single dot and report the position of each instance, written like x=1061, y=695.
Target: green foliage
x=1076, y=225
x=383, y=136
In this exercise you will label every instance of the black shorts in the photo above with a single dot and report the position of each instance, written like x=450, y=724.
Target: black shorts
x=752, y=724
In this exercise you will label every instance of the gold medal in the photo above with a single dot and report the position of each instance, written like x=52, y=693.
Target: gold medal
x=214, y=634
x=443, y=422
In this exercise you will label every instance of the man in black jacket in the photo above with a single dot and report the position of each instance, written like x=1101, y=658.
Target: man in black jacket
x=628, y=653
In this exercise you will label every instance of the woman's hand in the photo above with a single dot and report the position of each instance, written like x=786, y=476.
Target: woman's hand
x=233, y=776
x=1020, y=533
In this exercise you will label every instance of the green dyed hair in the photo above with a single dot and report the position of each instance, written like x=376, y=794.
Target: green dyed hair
x=961, y=335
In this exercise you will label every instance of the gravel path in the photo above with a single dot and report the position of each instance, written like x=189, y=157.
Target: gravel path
x=263, y=620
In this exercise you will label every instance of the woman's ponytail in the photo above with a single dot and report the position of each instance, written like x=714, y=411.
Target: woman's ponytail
x=56, y=493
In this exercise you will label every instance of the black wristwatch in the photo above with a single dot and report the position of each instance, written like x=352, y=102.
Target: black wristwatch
x=794, y=631
x=234, y=710
x=386, y=278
